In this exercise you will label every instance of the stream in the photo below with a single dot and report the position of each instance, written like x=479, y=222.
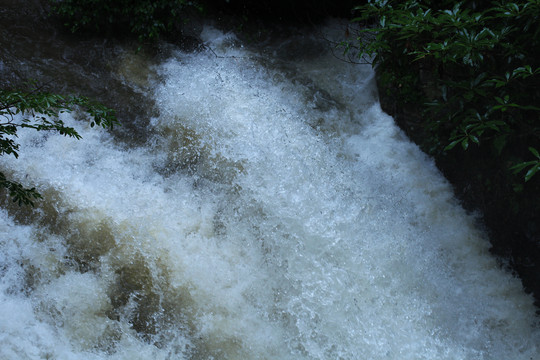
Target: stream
x=256, y=203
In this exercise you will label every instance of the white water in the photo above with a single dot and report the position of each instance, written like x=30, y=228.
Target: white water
x=277, y=213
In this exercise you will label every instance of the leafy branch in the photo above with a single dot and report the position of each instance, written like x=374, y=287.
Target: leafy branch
x=533, y=165
x=478, y=65
x=39, y=110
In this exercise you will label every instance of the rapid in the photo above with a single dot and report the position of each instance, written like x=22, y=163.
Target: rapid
x=271, y=211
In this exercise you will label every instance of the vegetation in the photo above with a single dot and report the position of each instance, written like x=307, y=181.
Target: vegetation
x=463, y=80
x=146, y=19
x=39, y=110
x=479, y=67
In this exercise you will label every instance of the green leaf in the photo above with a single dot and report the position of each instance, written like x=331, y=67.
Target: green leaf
x=535, y=152
x=452, y=145
x=519, y=167
x=465, y=143
x=531, y=172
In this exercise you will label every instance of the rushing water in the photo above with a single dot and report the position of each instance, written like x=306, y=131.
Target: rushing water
x=273, y=212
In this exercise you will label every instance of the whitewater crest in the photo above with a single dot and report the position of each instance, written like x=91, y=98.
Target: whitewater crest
x=274, y=212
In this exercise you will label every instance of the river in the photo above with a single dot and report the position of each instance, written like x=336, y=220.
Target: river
x=264, y=208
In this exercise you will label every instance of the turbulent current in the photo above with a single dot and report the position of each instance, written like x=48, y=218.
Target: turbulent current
x=273, y=212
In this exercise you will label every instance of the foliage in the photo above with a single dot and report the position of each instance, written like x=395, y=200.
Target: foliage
x=475, y=65
x=146, y=19
x=39, y=110
x=533, y=166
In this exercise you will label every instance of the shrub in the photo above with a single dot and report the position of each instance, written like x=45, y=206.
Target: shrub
x=475, y=66
x=146, y=19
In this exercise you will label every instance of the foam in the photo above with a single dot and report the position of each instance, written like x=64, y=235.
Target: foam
x=277, y=213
